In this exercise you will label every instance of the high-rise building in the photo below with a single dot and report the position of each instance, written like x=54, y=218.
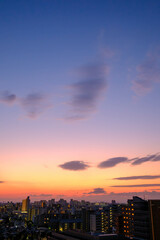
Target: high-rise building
x=127, y=220
x=99, y=222
x=140, y=219
x=25, y=205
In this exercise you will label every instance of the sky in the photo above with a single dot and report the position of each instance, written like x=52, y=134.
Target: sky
x=79, y=99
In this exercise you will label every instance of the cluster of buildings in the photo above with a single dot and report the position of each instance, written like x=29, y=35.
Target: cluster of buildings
x=139, y=219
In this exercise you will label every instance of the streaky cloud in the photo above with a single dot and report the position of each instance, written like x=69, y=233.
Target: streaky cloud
x=138, y=177
x=136, y=185
x=74, y=165
x=41, y=195
x=112, y=162
x=149, y=158
x=75, y=118
x=7, y=97
x=155, y=189
x=148, y=73
x=86, y=93
x=156, y=158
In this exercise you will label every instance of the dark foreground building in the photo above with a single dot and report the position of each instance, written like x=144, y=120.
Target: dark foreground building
x=154, y=209
x=140, y=219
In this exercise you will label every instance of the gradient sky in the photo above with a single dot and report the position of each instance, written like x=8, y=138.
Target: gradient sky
x=79, y=99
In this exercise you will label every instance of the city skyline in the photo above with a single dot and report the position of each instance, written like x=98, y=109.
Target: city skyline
x=79, y=100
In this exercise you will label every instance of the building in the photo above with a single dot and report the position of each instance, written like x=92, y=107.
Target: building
x=99, y=222
x=140, y=219
x=25, y=205
x=154, y=209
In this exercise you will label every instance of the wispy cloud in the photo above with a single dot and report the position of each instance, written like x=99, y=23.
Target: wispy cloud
x=7, y=97
x=138, y=177
x=112, y=162
x=97, y=191
x=137, y=185
x=86, y=93
x=148, y=73
x=41, y=195
x=74, y=165
x=149, y=158
x=34, y=104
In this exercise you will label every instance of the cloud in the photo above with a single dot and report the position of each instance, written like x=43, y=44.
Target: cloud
x=155, y=189
x=41, y=195
x=148, y=73
x=121, y=197
x=112, y=162
x=138, y=177
x=74, y=165
x=34, y=104
x=138, y=185
x=149, y=158
x=97, y=191
x=76, y=117
x=86, y=93
x=7, y=97
x=2, y=181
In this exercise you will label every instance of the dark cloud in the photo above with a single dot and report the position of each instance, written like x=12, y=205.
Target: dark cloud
x=148, y=73
x=7, y=97
x=41, y=195
x=87, y=92
x=34, y=104
x=138, y=177
x=97, y=191
x=112, y=162
x=2, y=181
x=138, y=185
x=149, y=158
x=74, y=165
